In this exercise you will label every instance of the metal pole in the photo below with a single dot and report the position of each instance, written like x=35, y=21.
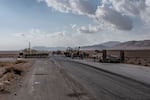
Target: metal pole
x=122, y=56
x=104, y=56
x=29, y=47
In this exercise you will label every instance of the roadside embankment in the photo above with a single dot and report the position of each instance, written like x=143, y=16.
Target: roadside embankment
x=11, y=71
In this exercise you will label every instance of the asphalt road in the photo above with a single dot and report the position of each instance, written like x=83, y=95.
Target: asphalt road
x=45, y=81
x=104, y=86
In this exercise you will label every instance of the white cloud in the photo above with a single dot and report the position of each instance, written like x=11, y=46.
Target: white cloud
x=73, y=26
x=128, y=7
x=116, y=13
x=132, y=8
x=54, y=39
x=89, y=29
x=119, y=21
x=80, y=7
x=65, y=39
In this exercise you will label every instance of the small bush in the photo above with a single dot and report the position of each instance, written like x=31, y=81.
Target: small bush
x=2, y=64
x=19, y=61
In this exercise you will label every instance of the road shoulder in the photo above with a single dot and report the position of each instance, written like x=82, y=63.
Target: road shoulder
x=133, y=72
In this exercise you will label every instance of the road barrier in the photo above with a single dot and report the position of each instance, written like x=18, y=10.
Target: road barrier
x=39, y=55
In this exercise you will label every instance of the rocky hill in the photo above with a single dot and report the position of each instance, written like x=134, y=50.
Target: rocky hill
x=133, y=45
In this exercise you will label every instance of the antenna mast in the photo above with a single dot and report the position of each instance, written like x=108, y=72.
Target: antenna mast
x=29, y=47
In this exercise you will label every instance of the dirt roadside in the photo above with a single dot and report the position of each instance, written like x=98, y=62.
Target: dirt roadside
x=12, y=74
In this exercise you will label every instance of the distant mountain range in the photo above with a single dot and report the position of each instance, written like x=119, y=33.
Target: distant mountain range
x=93, y=47
x=101, y=46
x=133, y=45
x=113, y=45
x=43, y=48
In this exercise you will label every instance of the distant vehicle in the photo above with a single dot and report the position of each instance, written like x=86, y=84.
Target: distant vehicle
x=71, y=52
x=68, y=52
x=111, y=59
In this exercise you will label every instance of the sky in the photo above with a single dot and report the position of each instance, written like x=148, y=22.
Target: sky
x=63, y=23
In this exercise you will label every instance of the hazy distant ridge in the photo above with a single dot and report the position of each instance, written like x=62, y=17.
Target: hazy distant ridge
x=43, y=48
x=130, y=45
x=101, y=46
x=105, y=45
x=145, y=44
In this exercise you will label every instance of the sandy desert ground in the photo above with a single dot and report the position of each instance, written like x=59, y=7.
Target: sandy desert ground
x=11, y=74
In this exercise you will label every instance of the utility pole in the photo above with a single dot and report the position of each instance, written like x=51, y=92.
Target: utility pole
x=29, y=47
x=104, y=56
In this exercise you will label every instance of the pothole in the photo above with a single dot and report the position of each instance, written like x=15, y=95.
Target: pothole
x=76, y=94
x=40, y=74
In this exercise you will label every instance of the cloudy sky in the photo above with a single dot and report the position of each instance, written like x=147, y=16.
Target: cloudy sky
x=72, y=22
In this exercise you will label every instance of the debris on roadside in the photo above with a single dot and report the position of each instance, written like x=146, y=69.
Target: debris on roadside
x=11, y=71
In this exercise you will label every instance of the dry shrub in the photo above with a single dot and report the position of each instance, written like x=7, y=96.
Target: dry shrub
x=22, y=67
x=138, y=61
x=20, y=61
x=142, y=61
x=130, y=61
x=19, y=67
x=2, y=86
x=10, y=70
x=7, y=77
x=5, y=70
x=2, y=71
x=2, y=64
